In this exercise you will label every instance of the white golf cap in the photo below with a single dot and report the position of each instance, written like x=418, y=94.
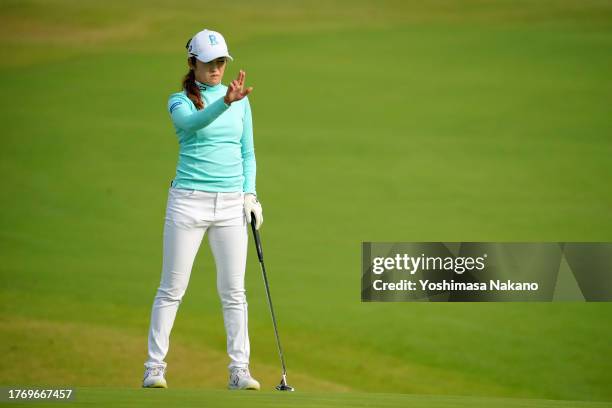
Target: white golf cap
x=207, y=45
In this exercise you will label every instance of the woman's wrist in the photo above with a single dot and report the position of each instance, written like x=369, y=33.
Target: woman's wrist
x=226, y=100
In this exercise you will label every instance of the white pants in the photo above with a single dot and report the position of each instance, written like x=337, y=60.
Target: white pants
x=189, y=215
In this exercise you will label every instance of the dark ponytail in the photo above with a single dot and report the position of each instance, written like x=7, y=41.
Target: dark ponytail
x=191, y=88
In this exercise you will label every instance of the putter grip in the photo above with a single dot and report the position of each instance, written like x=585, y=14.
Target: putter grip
x=257, y=239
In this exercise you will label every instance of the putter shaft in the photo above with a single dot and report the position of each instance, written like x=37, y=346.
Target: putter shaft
x=283, y=384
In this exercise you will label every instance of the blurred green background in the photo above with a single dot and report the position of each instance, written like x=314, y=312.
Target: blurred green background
x=374, y=121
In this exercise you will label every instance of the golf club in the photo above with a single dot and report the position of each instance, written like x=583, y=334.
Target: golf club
x=283, y=386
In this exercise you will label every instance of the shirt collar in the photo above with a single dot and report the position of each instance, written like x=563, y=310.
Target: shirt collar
x=208, y=88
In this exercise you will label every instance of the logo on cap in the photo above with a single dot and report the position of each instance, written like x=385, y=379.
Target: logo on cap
x=189, y=47
x=212, y=39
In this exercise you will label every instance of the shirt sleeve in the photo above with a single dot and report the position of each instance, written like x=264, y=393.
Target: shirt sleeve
x=248, y=150
x=184, y=118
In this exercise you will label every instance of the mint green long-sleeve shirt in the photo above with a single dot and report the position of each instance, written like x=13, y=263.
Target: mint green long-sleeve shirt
x=216, y=151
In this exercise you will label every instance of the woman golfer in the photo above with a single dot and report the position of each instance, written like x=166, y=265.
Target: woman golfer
x=213, y=192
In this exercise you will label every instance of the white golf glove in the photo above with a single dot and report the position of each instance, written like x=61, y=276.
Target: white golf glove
x=252, y=205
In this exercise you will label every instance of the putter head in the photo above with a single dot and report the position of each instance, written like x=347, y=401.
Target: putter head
x=283, y=385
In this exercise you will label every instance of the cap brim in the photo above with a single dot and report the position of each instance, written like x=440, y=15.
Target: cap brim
x=215, y=57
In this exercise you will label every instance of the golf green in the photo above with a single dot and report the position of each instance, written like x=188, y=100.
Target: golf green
x=373, y=121
x=126, y=398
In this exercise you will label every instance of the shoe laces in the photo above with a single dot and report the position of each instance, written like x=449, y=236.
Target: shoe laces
x=241, y=372
x=154, y=371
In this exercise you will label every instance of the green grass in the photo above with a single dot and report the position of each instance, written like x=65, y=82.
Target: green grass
x=407, y=121
x=118, y=397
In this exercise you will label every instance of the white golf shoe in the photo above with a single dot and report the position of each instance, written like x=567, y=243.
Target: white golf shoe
x=154, y=378
x=240, y=379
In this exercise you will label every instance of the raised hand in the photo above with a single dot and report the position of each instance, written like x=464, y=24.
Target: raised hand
x=236, y=90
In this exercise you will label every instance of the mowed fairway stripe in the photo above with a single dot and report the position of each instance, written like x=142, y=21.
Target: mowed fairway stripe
x=185, y=398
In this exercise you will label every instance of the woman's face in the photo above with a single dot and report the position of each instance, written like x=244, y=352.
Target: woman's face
x=209, y=72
